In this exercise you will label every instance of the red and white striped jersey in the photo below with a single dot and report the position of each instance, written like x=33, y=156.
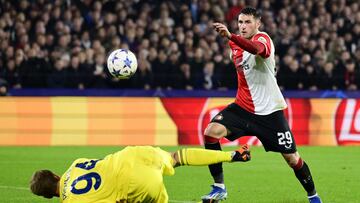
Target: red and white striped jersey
x=257, y=91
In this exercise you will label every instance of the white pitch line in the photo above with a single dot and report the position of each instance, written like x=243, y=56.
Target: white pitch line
x=178, y=201
x=13, y=187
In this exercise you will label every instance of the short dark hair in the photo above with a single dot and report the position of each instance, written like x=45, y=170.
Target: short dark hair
x=44, y=183
x=251, y=11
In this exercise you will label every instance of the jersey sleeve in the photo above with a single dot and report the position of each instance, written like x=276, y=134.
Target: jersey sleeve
x=232, y=45
x=265, y=40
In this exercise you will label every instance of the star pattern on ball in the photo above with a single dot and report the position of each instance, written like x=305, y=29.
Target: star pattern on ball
x=124, y=50
x=116, y=73
x=114, y=58
x=128, y=62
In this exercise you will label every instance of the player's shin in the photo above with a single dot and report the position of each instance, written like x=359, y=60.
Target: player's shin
x=303, y=174
x=202, y=157
x=216, y=170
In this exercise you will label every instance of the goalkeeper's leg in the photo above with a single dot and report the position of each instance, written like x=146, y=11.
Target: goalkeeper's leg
x=204, y=157
x=201, y=157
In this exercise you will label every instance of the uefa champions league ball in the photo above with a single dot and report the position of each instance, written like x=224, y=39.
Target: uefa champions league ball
x=122, y=63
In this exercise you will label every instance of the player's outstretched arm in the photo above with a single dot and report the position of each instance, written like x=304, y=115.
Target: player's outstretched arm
x=203, y=157
x=222, y=30
x=253, y=47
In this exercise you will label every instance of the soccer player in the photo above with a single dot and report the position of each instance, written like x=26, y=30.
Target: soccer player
x=258, y=108
x=134, y=174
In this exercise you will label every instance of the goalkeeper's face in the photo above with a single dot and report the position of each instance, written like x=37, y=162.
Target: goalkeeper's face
x=248, y=25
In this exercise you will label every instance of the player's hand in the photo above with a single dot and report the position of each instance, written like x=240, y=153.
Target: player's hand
x=222, y=30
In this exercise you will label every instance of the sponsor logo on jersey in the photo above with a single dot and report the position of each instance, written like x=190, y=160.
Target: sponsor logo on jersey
x=242, y=65
x=66, y=184
x=245, y=64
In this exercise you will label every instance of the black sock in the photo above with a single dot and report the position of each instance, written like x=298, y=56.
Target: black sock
x=304, y=176
x=216, y=170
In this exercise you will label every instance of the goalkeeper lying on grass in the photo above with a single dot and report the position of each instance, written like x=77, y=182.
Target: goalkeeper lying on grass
x=134, y=174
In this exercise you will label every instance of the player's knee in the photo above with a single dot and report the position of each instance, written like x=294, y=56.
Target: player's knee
x=209, y=139
x=293, y=159
x=214, y=131
x=292, y=163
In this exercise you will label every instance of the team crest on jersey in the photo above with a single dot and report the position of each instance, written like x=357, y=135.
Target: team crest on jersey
x=218, y=117
x=262, y=39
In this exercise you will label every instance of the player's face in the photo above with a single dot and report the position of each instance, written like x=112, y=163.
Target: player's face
x=248, y=25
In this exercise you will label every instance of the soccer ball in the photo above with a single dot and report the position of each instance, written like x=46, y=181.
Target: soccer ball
x=122, y=63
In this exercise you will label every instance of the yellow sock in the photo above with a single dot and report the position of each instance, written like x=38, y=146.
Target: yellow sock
x=202, y=157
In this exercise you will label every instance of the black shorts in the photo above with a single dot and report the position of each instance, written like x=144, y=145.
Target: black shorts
x=272, y=130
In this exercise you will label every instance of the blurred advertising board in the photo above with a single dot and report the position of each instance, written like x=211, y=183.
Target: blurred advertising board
x=160, y=121
x=313, y=121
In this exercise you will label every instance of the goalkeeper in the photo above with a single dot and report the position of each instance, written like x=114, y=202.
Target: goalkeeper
x=134, y=174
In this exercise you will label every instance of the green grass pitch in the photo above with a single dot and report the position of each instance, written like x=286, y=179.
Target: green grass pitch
x=266, y=178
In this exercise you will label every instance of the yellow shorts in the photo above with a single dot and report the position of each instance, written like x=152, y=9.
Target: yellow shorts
x=146, y=179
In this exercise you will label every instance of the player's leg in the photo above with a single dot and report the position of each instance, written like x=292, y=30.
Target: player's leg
x=204, y=157
x=227, y=123
x=146, y=177
x=274, y=132
x=303, y=174
x=163, y=196
x=213, y=133
x=146, y=184
x=186, y=156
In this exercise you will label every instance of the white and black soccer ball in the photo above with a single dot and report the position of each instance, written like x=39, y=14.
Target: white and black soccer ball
x=122, y=63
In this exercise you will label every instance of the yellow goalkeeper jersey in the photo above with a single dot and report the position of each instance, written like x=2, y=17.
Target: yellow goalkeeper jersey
x=133, y=174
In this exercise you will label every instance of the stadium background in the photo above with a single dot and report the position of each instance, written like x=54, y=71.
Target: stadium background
x=159, y=121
